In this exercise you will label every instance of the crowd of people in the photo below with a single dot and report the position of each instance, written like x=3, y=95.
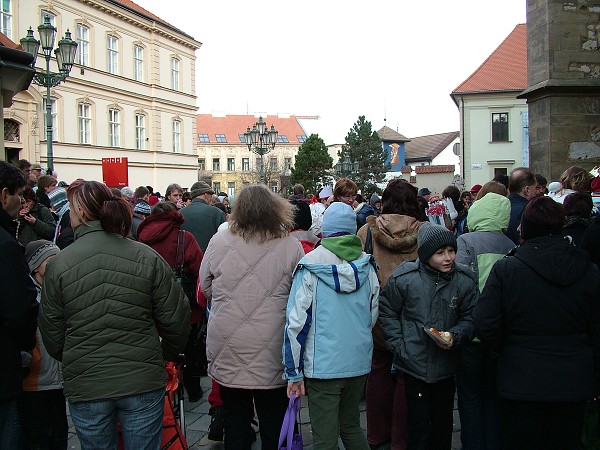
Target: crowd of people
x=404, y=298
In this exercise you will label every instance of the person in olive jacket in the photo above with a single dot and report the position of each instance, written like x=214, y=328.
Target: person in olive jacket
x=106, y=302
x=540, y=311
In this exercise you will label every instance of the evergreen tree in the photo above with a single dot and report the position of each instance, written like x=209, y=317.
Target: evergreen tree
x=363, y=146
x=312, y=168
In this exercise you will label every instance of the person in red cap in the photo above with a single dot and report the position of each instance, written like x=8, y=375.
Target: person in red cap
x=475, y=189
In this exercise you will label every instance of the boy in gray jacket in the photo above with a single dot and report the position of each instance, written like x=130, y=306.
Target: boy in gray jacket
x=425, y=313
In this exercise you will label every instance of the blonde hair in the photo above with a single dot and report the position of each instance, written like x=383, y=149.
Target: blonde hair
x=261, y=214
x=576, y=178
x=492, y=186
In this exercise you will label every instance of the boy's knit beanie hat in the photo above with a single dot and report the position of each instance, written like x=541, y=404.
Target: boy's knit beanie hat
x=58, y=198
x=431, y=238
x=37, y=252
x=339, y=217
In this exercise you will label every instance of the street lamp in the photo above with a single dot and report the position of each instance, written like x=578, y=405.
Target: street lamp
x=347, y=167
x=65, y=58
x=261, y=141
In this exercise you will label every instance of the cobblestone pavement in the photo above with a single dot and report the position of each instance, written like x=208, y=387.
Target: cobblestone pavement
x=198, y=420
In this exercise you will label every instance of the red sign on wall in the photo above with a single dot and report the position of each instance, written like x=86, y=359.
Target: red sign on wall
x=115, y=172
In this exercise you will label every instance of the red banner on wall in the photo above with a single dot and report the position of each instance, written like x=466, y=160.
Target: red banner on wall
x=115, y=172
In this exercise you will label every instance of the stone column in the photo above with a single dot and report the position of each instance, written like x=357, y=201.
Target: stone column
x=563, y=96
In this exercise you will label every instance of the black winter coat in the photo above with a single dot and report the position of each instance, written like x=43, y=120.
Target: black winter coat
x=540, y=309
x=18, y=309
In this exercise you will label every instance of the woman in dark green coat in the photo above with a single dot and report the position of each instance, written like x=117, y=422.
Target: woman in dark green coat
x=35, y=220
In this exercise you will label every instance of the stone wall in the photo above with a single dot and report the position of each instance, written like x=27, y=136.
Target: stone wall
x=563, y=41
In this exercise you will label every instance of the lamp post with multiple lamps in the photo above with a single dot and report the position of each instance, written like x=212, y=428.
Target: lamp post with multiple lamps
x=65, y=58
x=261, y=141
x=347, y=167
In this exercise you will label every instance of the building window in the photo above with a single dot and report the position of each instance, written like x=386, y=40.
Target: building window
x=6, y=18
x=203, y=137
x=500, y=127
x=287, y=163
x=221, y=138
x=11, y=131
x=242, y=138
x=301, y=139
x=53, y=113
x=273, y=164
x=140, y=131
x=84, y=113
x=246, y=164
x=201, y=164
x=112, y=46
x=282, y=138
x=113, y=127
x=175, y=74
x=217, y=187
x=274, y=186
x=498, y=171
x=83, y=45
x=138, y=63
x=230, y=164
x=50, y=15
x=231, y=189
x=216, y=165
x=177, y=136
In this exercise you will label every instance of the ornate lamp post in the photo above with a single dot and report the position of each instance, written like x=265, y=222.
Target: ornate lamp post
x=347, y=167
x=261, y=141
x=65, y=58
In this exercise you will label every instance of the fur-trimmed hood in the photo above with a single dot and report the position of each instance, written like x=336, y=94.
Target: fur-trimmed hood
x=395, y=232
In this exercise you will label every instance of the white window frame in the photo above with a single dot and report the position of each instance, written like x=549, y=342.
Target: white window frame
x=230, y=164
x=140, y=131
x=245, y=164
x=112, y=54
x=231, y=189
x=52, y=16
x=6, y=19
x=175, y=74
x=54, y=114
x=83, y=44
x=84, y=120
x=114, y=136
x=176, y=127
x=138, y=62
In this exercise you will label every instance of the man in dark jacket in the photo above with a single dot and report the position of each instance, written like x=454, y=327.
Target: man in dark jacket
x=18, y=305
x=202, y=219
x=540, y=311
x=521, y=186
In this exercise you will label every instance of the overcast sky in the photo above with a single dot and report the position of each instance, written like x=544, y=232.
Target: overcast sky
x=338, y=60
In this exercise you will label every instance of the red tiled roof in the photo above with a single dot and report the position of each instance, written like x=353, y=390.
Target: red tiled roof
x=434, y=169
x=5, y=41
x=234, y=125
x=504, y=70
x=406, y=169
x=428, y=147
x=128, y=4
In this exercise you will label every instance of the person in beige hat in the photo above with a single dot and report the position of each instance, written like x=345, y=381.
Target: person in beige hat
x=202, y=219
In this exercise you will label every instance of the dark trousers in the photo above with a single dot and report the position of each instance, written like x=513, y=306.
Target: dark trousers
x=43, y=420
x=271, y=405
x=192, y=370
x=478, y=403
x=430, y=408
x=542, y=425
x=386, y=403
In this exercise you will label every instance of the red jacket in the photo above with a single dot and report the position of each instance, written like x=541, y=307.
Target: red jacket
x=160, y=232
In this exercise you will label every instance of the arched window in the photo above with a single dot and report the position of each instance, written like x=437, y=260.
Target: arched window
x=11, y=131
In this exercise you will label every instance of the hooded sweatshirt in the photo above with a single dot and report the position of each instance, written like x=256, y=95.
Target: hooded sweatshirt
x=333, y=305
x=540, y=310
x=486, y=243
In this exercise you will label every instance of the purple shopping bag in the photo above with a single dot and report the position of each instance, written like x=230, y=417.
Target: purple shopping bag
x=288, y=440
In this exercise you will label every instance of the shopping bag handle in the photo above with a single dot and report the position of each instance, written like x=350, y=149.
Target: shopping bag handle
x=289, y=420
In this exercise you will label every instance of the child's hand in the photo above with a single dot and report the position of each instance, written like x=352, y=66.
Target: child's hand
x=297, y=387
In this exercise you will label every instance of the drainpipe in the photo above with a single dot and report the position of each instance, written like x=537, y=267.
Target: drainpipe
x=462, y=136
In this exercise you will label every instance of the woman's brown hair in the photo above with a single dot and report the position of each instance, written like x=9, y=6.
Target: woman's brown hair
x=261, y=214
x=91, y=200
x=492, y=186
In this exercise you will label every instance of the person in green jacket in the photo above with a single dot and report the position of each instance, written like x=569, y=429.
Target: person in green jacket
x=106, y=303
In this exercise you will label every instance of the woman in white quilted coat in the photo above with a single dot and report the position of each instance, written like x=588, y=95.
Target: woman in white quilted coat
x=246, y=275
